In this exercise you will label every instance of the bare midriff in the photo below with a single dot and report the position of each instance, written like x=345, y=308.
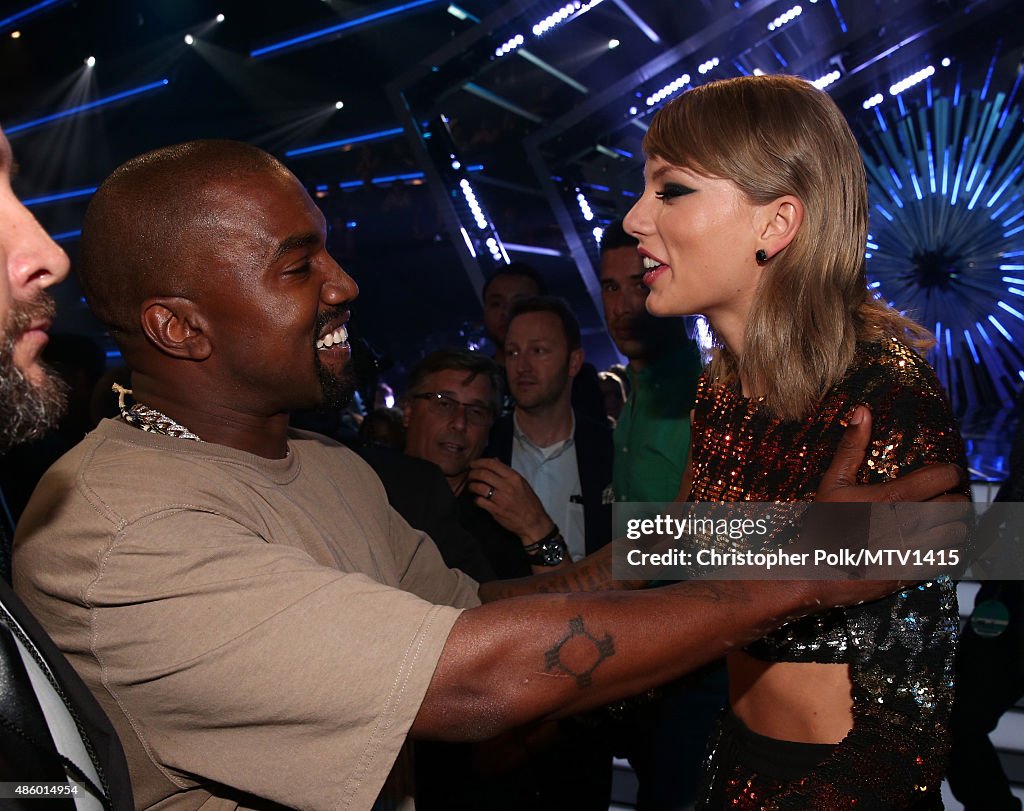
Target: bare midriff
x=792, y=701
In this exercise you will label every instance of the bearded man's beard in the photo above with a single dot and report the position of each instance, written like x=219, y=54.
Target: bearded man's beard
x=27, y=409
x=337, y=390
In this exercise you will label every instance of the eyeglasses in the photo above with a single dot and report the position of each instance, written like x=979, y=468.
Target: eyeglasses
x=446, y=406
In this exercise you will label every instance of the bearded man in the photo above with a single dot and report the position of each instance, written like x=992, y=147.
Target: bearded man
x=51, y=728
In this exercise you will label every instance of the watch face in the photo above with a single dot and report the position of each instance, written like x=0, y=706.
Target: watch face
x=552, y=552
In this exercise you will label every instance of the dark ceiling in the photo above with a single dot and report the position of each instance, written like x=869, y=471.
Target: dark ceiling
x=560, y=116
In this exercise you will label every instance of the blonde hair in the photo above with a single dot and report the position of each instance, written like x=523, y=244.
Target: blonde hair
x=774, y=136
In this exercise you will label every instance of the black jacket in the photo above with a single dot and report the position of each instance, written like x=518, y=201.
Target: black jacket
x=594, y=458
x=27, y=752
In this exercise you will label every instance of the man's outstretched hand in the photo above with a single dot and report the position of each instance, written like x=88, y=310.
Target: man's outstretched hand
x=839, y=484
x=902, y=524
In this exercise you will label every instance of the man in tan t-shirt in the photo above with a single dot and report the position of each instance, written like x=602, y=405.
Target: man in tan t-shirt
x=256, y=620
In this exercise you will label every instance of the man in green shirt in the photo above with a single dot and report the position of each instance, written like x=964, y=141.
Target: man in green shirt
x=664, y=739
x=652, y=436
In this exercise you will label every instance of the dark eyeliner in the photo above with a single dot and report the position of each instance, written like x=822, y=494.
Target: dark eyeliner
x=670, y=190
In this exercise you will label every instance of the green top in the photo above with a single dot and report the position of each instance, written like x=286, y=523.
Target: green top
x=652, y=436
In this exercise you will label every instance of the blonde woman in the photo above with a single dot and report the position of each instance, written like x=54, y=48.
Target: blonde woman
x=755, y=215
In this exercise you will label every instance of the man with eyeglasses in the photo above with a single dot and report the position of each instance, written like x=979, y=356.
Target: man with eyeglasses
x=451, y=405
x=453, y=400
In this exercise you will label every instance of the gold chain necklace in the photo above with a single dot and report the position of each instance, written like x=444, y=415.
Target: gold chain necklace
x=149, y=419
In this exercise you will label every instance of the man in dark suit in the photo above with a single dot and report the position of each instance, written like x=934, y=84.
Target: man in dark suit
x=51, y=728
x=565, y=456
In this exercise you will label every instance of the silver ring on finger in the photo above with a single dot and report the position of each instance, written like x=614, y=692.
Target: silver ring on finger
x=490, y=493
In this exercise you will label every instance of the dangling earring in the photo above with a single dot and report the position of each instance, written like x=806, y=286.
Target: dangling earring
x=761, y=256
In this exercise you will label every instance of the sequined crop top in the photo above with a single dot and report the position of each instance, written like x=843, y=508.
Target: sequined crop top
x=740, y=452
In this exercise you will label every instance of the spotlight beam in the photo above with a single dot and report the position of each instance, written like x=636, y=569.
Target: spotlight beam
x=533, y=59
x=343, y=142
x=638, y=21
x=9, y=22
x=83, y=108
x=505, y=104
x=58, y=196
x=338, y=29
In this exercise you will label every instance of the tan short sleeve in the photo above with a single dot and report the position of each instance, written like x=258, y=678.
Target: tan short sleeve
x=250, y=664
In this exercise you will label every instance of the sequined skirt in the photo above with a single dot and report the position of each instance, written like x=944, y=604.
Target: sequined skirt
x=750, y=772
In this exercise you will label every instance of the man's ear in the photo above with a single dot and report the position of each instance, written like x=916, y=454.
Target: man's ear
x=576, y=358
x=175, y=326
x=779, y=223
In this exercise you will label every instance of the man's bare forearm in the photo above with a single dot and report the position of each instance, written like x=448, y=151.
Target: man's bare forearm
x=592, y=573
x=550, y=655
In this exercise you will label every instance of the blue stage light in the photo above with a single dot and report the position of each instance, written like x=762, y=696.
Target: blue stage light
x=338, y=28
x=943, y=251
x=13, y=19
x=81, y=108
x=53, y=198
x=342, y=142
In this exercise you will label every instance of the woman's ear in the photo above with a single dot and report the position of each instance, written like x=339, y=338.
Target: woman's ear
x=779, y=222
x=175, y=326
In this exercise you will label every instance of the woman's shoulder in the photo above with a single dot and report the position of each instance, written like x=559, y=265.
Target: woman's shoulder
x=889, y=369
x=913, y=421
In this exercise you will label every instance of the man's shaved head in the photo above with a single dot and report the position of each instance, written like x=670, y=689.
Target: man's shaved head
x=147, y=231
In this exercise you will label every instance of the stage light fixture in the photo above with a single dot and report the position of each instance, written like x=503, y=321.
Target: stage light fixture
x=784, y=18
x=469, y=242
x=829, y=78
x=910, y=81
x=566, y=12
x=220, y=18
x=189, y=39
x=90, y=61
x=584, y=204
x=510, y=45
x=613, y=43
x=536, y=250
x=710, y=64
x=338, y=105
x=15, y=34
x=947, y=217
x=671, y=88
x=474, y=206
x=460, y=14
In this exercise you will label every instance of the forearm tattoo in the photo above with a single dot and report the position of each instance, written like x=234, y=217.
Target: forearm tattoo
x=579, y=653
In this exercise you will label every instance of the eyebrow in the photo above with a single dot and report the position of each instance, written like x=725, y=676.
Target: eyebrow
x=477, y=401
x=294, y=243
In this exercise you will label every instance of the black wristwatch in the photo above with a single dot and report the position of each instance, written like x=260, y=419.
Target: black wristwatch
x=548, y=551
